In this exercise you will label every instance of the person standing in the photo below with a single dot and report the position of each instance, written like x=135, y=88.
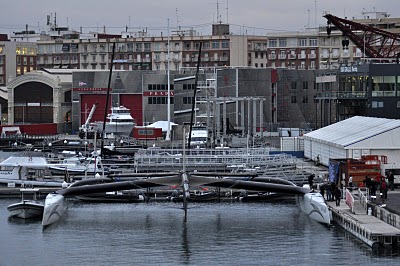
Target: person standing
x=338, y=195
x=383, y=189
x=311, y=181
x=351, y=183
x=391, y=180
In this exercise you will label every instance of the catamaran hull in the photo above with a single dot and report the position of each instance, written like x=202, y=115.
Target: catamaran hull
x=26, y=209
x=313, y=205
x=54, y=208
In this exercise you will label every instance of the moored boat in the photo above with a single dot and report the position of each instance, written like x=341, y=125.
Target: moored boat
x=118, y=122
x=27, y=209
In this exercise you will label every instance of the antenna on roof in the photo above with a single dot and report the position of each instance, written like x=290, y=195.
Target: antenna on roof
x=177, y=18
x=227, y=11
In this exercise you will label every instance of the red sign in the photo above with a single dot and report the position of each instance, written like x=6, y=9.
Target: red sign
x=157, y=93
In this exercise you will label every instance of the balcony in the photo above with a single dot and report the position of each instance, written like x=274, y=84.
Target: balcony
x=137, y=60
x=281, y=56
x=302, y=56
x=292, y=56
x=312, y=56
x=223, y=58
x=272, y=56
x=341, y=95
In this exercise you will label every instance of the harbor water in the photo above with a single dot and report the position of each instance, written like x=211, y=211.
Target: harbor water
x=156, y=233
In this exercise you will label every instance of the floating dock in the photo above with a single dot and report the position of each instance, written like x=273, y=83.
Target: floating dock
x=374, y=224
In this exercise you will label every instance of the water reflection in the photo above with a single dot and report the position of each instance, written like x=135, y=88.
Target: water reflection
x=156, y=233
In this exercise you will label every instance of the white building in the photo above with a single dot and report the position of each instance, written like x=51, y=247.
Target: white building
x=353, y=138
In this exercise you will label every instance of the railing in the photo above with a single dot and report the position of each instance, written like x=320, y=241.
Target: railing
x=349, y=200
x=363, y=198
x=341, y=95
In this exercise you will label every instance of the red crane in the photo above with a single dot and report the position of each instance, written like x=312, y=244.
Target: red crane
x=375, y=43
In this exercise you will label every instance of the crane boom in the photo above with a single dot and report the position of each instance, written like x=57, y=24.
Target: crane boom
x=374, y=42
x=85, y=127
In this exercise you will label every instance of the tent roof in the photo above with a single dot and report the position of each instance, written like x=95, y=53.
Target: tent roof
x=353, y=130
x=162, y=124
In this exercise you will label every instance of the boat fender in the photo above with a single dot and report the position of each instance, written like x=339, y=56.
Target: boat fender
x=64, y=184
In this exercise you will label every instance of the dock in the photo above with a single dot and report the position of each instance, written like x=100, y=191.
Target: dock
x=376, y=222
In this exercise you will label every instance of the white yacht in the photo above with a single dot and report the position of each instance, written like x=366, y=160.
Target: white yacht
x=119, y=122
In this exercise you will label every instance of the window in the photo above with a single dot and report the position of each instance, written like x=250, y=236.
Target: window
x=272, y=43
x=187, y=45
x=313, y=42
x=215, y=45
x=282, y=42
x=302, y=42
x=147, y=47
x=305, y=99
x=206, y=45
x=138, y=47
x=377, y=104
x=225, y=44
x=187, y=100
x=293, y=85
x=293, y=99
x=305, y=85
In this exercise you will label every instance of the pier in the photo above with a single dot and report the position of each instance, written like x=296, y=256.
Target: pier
x=376, y=222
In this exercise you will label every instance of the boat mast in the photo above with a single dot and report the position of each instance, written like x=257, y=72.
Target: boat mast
x=168, y=136
x=194, y=95
x=108, y=95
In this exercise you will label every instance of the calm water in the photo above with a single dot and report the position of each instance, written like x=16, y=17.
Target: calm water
x=154, y=233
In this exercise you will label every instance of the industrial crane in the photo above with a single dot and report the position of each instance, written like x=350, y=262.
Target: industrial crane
x=85, y=130
x=374, y=42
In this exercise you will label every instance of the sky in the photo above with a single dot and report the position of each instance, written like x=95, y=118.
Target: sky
x=244, y=16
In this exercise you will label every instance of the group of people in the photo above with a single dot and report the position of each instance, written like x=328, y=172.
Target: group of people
x=373, y=186
x=333, y=192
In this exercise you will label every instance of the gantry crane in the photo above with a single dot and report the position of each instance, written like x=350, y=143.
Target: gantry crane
x=375, y=43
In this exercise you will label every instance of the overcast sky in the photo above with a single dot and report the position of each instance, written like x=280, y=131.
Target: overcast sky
x=245, y=16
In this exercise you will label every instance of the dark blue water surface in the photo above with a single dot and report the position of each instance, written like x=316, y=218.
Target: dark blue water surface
x=155, y=233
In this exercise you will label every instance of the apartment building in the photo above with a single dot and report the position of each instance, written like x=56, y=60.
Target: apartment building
x=16, y=59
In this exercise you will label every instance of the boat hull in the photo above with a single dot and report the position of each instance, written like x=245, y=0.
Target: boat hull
x=54, y=208
x=26, y=209
x=313, y=205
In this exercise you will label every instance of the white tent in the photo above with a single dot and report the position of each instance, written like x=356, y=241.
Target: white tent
x=353, y=138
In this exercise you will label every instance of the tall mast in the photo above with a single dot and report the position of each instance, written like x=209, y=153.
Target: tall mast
x=168, y=136
x=108, y=96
